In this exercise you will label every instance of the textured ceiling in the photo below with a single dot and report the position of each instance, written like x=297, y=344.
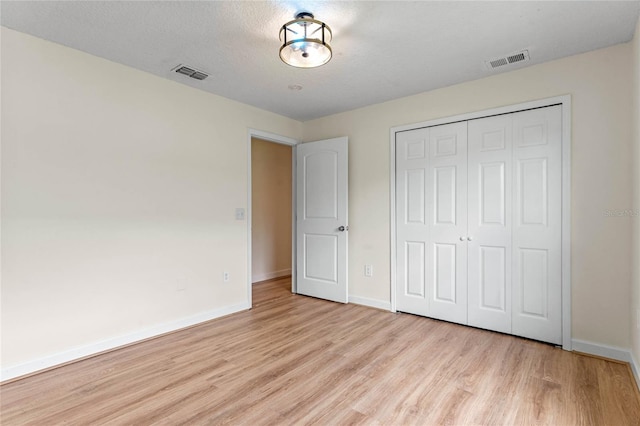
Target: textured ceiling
x=382, y=50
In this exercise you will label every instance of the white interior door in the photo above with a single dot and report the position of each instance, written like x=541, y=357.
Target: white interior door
x=479, y=222
x=431, y=168
x=321, y=219
x=489, y=233
x=447, y=276
x=537, y=224
x=412, y=221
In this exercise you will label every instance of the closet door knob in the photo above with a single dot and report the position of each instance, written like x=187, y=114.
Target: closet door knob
x=469, y=238
x=461, y=238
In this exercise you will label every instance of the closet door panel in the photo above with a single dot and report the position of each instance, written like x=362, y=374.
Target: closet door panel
x=537, y=295
x=412, y=221
x=447, y=268
x=489, y=223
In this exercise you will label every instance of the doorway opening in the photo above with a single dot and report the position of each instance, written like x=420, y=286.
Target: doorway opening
x=271, y=184
x=270, y=212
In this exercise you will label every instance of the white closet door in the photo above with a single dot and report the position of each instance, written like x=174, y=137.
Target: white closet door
x=489, y=230
x=412, y=226
x=447, y=250
x=431, y=219
x=537, y=250
x=479, y=223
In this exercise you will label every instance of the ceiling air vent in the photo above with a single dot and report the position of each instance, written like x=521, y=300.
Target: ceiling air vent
x=498, y=62
x=191, y=72
x=509, y=59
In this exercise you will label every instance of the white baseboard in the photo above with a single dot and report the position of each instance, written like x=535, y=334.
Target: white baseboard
x=635, y=367
x=599, y=349
x=77, y=353
x=270, y=275
x=373, y=303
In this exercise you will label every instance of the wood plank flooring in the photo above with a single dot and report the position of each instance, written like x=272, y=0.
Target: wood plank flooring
x=298, y=360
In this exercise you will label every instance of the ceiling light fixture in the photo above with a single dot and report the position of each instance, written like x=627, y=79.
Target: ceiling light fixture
x=305, y=42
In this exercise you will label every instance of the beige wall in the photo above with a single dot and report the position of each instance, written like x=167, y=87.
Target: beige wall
x=601, y=176
x=635, y=253
x=118, y=188
x=270, y=210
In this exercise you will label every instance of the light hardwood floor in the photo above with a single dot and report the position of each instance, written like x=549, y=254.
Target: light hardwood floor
x=299, y=360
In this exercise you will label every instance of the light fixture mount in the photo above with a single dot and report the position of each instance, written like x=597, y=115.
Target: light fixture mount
x=304, y=15
x=305, y=42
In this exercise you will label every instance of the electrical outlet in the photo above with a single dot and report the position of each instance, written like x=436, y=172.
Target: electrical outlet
x=225, y=276
x=239, y=213
x=368, y=270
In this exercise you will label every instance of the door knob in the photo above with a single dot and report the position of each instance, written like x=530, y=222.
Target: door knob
x=343, y=228
x=469, y=238
x=461, y=238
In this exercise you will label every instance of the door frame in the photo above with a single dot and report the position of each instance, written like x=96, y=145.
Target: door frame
x=283, y=140
x=565, y=102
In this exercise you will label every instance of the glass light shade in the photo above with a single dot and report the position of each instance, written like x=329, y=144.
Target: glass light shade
x=305, y=42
